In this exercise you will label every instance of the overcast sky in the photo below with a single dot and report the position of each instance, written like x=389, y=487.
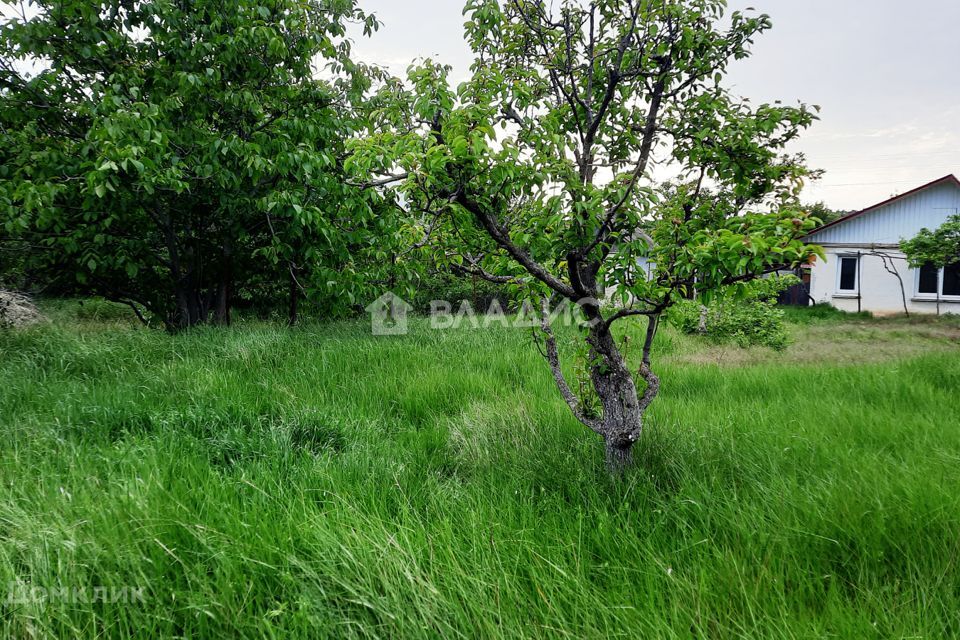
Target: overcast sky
x=885, y=72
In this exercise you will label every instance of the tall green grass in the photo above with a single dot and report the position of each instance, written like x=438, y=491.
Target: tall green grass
x=263, y=482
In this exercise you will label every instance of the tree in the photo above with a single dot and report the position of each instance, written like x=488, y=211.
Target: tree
x=167, y=154
x=823, y=213
x=939, y=248
x=592, y=100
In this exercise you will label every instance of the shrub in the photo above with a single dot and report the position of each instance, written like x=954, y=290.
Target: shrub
x=747, y=315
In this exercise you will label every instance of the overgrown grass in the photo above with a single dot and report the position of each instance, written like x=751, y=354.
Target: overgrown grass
x=263, y=482
x=822, y=313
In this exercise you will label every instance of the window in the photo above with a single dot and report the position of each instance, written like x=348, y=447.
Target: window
x=951, y=280
x=929, y=280
x=847, y=274
x=933, y=282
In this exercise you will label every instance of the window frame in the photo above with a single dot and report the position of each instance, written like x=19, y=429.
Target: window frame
x=943, y=281
x=856, y=274
x=939, y=295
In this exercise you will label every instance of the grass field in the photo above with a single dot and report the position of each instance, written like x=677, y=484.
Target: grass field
x=264, y=482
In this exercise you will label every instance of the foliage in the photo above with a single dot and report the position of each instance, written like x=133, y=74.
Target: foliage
x=823, y=213
x=446, y=286
x=169, y=154
x=752, y=318
x=259, y=482
x=13, y=272
x=940, y=247
x=536, y=171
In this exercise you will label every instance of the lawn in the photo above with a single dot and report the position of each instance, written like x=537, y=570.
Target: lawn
x=265, y=482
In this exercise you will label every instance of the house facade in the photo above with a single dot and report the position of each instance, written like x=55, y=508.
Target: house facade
x=865, y=269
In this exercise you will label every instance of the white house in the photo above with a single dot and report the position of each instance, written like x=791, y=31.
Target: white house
x=865, y=269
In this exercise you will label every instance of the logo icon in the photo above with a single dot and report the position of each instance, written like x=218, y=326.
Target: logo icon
x=388, y=315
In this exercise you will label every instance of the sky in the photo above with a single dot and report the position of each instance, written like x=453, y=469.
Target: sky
x=886, y=74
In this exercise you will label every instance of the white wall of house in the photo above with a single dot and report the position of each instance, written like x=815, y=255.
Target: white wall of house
x=875, y=288
x=870, y=239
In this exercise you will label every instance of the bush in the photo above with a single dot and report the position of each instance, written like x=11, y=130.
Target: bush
x=747, y=315
x=13, y=265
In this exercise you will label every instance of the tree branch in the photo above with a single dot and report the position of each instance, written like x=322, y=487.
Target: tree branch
x=652, y=380
x=501, y=237
x=475, y=270
x=630, y=313
x=382, y=182
x=552, y=357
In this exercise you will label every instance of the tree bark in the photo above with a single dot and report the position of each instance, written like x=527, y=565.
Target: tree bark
x=618, y=458
x=182, y=320
x=622, y=420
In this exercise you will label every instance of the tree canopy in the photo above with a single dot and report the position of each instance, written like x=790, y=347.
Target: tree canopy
x=939, y=248
x=169, y=154
x=822, y=212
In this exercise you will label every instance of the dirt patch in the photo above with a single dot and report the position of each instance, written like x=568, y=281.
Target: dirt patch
x=854, y=343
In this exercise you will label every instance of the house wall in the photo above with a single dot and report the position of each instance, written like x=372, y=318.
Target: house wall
x=879, y=290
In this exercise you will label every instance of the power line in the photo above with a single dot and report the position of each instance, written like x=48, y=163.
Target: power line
x=816, y=185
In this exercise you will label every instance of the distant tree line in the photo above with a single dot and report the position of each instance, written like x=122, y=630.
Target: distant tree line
x=823, y=213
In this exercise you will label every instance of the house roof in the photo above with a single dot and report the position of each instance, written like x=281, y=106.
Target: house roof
x=948, y=179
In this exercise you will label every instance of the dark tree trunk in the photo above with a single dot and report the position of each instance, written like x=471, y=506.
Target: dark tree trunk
x=201, y=305
x=189, y=304
x=619, y=458
x=182, y=320
x=202, y=272
x=221, y=313
x=293, y=313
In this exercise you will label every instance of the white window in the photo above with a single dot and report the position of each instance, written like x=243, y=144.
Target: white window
x=848, y=274
x=932, y=282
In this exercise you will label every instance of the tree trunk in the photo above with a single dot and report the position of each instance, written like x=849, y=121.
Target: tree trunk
x=190, y=306
x=182, y=317
x=622, y=419
x=182, y=321
x=293, y=314
x=622, y=407
x=619, y=458
x=221, y=314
